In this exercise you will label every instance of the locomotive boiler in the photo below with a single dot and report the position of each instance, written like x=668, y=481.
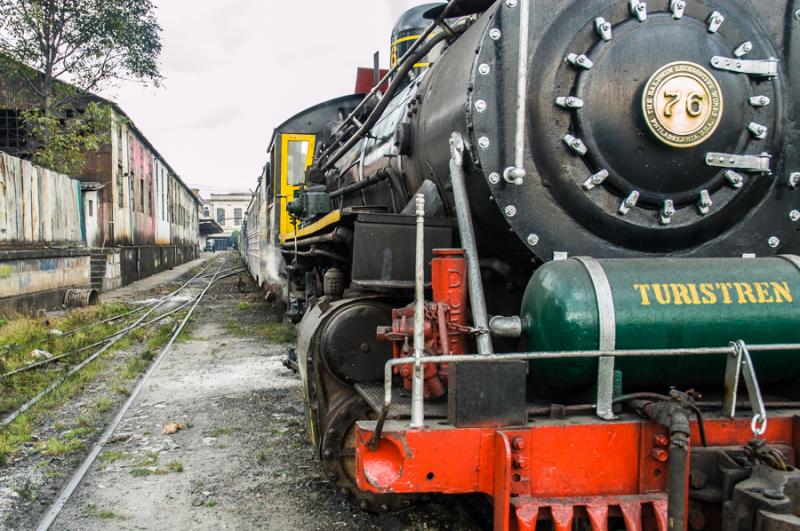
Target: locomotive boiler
x=550, y=257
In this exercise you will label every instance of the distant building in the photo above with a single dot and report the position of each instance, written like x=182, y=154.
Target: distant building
x=227, y=210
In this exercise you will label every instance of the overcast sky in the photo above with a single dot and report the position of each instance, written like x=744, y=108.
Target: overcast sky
x=235, y=69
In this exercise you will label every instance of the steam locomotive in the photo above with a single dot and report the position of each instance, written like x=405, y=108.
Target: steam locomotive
x=549, y=258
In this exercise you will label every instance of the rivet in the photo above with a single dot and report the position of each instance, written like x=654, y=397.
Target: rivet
x=480, y=105
x=495, y=34
x=511, y=3
x=483, y=142
x=484, y=69
x=533, y=240
x=511, y=211
x=494, y=178
x=774, y=242
x=794, y=215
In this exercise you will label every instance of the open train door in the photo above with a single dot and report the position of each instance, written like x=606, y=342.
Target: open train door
x=295, y=153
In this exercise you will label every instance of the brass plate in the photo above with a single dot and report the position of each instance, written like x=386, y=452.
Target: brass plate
x=683, y=104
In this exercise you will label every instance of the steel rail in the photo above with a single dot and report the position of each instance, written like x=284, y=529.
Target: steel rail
x=54, y=510
x=531, y=356
x=77, y=368
x=107, y=338
x=109, y=320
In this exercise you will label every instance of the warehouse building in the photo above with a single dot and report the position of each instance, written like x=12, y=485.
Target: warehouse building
x=135, y=216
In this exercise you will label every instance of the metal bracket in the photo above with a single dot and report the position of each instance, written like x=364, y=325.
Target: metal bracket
x=752, y=163
x=751, y=67
x=738, y=364
x=607, y=336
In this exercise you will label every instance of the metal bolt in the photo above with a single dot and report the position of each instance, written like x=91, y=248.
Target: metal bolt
x=384, y=508
x=794, y=180
x=759, y=101
x=333, y=476
x=518, y=443
x=797, y=14
x=667, y=212
x=484, y=69
x=697, y=480
x=794, y=215
x=697, y=520
x=661, y=440
x=533, y=240
x=736, y=180
x=363, y=505
x=494, y=178
x=705, y=203
x=629, y=202
x=660, y=455
x=511, y=3
x=345, y=492
x=759, y=131
x=327, y=454
x=484, y=142
x=511, y=211
x=480, y=105
x=774, y=242
x=495, y=34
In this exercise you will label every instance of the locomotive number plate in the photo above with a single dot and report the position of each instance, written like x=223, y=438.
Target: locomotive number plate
x=682, y=104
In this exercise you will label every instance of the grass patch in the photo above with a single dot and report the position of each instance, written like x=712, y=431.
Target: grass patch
x=262, y=456
x=244, y=306
x=103, y=514
x=112, y=456
x=55, y=446
x=219, y=432
x=141, y=472
x=19, y=336
x=148, y=460
x=272, y=332
x=25, y=491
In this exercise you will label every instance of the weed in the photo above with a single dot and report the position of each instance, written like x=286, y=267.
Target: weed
x=244, y=305
x=26, y=491
x=135, y=366
x=221, y=446
x=262, y=456
x=103, y=404
x=84, y=422
x=175, y=466
x=210, y=503
x=141, y=472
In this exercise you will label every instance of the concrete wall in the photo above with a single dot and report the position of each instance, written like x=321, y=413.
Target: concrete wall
x=38, y=278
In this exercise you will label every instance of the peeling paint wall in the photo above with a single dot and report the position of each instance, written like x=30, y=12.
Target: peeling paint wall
x=37, y=206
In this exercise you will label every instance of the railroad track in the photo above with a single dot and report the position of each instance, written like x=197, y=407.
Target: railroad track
x=146, y=319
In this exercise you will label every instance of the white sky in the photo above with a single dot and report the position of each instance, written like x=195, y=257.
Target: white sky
x=235, y=69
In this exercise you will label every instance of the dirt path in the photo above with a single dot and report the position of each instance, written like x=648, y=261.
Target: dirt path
x=242, y=460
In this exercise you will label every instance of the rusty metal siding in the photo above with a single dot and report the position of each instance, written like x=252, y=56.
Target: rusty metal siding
x=37, y=206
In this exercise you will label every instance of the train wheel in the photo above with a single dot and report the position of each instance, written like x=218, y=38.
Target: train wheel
x=338, y=458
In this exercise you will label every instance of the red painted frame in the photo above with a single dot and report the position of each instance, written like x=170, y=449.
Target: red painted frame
x=550, y=469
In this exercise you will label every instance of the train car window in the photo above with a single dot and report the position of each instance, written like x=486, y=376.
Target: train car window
x=297, y=155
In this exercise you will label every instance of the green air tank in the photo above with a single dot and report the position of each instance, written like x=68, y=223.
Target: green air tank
x=662, y=303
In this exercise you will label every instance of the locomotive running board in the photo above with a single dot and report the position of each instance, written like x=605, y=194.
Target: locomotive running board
x=373, y=395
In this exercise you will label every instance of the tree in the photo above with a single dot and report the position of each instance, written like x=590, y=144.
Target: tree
x=62, y=50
